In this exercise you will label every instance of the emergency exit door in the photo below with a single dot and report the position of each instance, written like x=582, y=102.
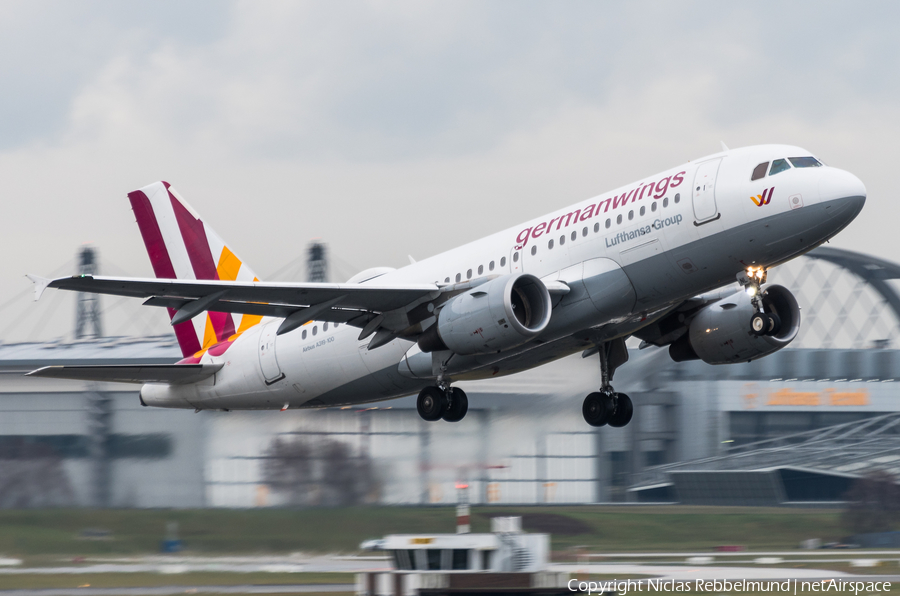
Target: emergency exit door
x=268, y=363
x=704, y=192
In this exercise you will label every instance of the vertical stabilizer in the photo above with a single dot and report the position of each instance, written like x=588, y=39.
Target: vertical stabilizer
x=182, y=246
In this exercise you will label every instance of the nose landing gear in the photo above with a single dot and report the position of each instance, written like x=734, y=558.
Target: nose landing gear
x=606, y=406
x=762, y=322
x=449, y=403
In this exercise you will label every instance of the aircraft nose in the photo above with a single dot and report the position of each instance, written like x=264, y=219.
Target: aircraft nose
x=835, y=184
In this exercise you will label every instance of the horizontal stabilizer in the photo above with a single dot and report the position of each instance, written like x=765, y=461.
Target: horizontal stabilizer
x=173, y=374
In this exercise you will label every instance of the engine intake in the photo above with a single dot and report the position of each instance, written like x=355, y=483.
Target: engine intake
x=721, y=333
x=498, y=315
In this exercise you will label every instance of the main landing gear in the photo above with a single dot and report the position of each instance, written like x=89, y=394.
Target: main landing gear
x=762, y=322
x=449, y=403
x=606, y=406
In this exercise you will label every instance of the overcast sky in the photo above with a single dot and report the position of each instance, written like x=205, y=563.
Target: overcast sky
x=395, y=128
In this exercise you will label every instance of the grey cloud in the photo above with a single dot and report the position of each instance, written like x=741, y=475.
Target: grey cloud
x=50, y=49
x=372, y=81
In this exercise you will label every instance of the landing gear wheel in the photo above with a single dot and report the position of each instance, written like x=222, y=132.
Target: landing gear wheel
x=597, y=408
x=759, y=324
x=431, y=403
x=624, y=411
x=459, y=405
x=774, y=325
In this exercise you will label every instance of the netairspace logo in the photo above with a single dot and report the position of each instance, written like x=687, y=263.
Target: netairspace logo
x=790, y=586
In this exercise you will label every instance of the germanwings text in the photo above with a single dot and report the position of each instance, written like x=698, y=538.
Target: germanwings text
x=656, y=190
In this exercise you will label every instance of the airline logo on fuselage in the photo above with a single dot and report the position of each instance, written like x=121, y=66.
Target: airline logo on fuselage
x=656, y=189
x=629, y=235
x=764, y=199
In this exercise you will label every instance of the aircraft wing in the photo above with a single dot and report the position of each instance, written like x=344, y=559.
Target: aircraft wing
x=362, y=297
x=360, y=305
x=390, y=310
x=127, y=373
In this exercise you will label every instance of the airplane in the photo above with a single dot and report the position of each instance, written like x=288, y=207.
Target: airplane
x=678, y=259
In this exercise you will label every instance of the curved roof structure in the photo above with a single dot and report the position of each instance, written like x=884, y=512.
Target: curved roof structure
x=873, y=270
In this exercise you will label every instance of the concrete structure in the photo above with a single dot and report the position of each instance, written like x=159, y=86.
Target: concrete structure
x=154, y=458
x=505, y=549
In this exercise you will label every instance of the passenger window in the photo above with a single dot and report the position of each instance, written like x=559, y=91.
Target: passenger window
x=608, y=223
x=619, y=219
x=597, y=226
x=503, y=261
x=562, y=240
x=653, y=207
x=516, y=257
x=805, y=162
x=666, y=202
x=446, y=280
x=643, y=210
x=631, y=214
x=469, y=274
x=486, y=559
x=550, y=244
x=759, y=171
x=677, y=198
x=480, y=269
x=460, y=558
x=533, y=251
x=434, y=559
x=584, y=231
x=325, y=326
x=315, y=329
x=778, y=166
x=491, y=266
x=304, y=334
x=458, y=277
x=335, y=325
x=574, y=235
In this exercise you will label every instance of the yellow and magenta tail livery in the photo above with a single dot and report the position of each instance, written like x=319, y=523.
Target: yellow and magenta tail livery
x=182, y=246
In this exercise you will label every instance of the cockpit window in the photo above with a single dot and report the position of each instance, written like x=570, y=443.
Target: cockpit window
x=805, y=162
x=760, y=171
x=779, y=165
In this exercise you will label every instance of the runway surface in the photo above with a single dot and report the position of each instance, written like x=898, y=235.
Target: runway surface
x=185, y=564
x=166, y=590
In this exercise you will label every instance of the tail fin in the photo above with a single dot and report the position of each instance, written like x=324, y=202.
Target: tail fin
x=182, y=246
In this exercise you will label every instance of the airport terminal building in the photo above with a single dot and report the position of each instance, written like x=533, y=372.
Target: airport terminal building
x=725, y=431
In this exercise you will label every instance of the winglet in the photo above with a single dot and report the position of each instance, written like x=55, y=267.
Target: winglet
x=40, y=284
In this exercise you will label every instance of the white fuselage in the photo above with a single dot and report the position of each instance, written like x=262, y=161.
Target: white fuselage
x=628, y=256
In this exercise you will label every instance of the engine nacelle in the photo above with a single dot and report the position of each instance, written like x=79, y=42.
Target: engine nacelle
x=498, y=315
x=721, y=332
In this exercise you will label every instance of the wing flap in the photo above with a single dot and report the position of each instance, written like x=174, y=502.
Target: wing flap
x=333, y=315
x=173, y=374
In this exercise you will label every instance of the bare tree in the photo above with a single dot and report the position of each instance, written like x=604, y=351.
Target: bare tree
x=32, y=475
x=873, y=503
x=323, y=472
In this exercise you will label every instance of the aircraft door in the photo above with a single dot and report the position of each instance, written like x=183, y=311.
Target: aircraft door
x=268, y=363
x=704, y=192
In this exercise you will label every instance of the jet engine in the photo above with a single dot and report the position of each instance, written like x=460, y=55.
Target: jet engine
x=498, y=315
x=731, y=330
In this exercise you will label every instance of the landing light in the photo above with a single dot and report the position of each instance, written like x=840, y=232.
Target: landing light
x=751, y=290
x=757, y=273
